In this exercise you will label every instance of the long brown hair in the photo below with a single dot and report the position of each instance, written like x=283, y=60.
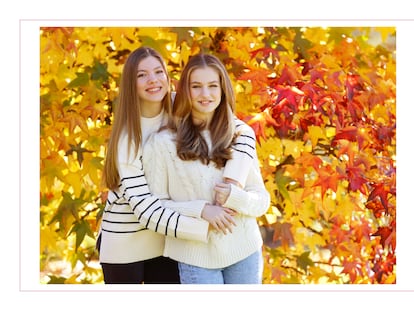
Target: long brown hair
x=190, y=143
x=127, y=114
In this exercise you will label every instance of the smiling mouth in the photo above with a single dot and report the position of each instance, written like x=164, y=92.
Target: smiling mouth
x=154, y=89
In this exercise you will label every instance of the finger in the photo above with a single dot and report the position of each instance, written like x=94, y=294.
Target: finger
x=214, y=225
x=221, y=187
x=231, y=221
x=230, y=211
x=224, y=225
x=228, y=222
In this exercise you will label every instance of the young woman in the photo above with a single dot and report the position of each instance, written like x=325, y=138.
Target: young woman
x=135, y=223
x=185, y=161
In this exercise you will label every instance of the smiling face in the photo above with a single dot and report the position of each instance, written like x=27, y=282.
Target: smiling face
x=205, y=93
x=152, y=82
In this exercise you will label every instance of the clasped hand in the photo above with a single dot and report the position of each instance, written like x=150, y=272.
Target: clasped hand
x=220, y=218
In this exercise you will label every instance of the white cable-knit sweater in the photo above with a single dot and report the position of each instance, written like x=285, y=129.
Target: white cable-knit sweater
x=173, y=179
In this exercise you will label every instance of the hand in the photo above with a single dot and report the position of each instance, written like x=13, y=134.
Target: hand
x=222, y=193
x=232, y=181
x=220, y=218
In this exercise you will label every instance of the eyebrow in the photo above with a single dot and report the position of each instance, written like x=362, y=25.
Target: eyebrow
x=156, y=68
x=197, y=82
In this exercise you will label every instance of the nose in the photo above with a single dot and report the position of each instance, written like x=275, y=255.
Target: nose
x=205, y=91
x=151, y=77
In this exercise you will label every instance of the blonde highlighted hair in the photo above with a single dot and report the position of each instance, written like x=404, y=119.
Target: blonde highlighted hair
x=190, y=143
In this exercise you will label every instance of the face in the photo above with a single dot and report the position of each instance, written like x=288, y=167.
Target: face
x=152, y=81
x=205, y=92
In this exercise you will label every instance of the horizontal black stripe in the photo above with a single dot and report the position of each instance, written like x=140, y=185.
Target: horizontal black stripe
x=111, y=231
x=242, y=151
x=132, y=177
x=119, y=213
x=120, y=222
x=244, y=144
x=248, y=136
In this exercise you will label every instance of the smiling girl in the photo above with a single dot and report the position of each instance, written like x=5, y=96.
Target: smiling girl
x=196, y=158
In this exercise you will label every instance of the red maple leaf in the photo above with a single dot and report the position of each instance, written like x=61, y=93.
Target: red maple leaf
x=266, y=52
x=353, y=85
x=291, y=93
x=381, y=191
x=351, y=133
x=353, y=268
x=259, y=123
x=289, y=76
x=348, y=133
x=376, y=207
x=356, y=178
x=387, y=237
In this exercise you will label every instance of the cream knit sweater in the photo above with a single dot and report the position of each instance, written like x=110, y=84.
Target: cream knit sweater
x=173, y=179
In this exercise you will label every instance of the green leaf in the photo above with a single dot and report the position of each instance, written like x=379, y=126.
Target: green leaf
x=282, y=183
x=303, y=261
x=100, y=72
x=82, y=79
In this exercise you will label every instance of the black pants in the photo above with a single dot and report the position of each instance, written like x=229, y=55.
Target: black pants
x=159, y=270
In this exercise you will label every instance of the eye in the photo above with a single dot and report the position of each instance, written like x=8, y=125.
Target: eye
x=141, y=75
x=160, y=72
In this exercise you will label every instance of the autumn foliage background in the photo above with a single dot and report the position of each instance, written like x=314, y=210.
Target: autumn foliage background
x=322, y=102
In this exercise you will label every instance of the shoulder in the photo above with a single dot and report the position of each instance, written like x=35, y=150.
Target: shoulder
x=243, y=128
x=161, y=140
x=163, y=135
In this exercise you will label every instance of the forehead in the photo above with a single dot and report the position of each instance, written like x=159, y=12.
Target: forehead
x=149, y=63
x=204, y=74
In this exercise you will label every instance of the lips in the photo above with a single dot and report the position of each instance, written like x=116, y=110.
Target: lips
x=204, y=102
x=154, y=89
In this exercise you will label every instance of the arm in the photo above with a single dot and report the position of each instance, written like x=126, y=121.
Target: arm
x=243, y=169
x=244, y=150
x=148, y=208
x=253, y=200
x=156, y=168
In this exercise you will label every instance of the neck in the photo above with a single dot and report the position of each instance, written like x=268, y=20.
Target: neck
x=198, y=119
x=150, y=110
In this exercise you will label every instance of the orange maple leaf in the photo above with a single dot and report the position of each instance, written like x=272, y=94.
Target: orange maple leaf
x=328, y=179
x=283, y=233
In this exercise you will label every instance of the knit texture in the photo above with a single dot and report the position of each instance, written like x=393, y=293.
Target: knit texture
x=173, y=179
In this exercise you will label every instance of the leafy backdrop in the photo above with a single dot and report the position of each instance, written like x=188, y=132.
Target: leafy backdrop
x=322, y=102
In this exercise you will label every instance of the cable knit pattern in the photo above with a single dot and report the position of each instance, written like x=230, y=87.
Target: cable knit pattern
x=173, y=179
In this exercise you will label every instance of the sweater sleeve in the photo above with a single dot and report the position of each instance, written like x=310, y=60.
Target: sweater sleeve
x=253, y=199
x=156, y=170
x=243, y=153
x=147, y=207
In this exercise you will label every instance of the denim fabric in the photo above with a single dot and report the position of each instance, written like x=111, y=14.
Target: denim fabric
x=246, y=271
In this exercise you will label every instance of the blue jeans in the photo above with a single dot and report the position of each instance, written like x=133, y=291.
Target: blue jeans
x=246, y=271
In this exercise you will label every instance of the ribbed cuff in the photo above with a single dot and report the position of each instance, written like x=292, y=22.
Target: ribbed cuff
x=236, y=199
